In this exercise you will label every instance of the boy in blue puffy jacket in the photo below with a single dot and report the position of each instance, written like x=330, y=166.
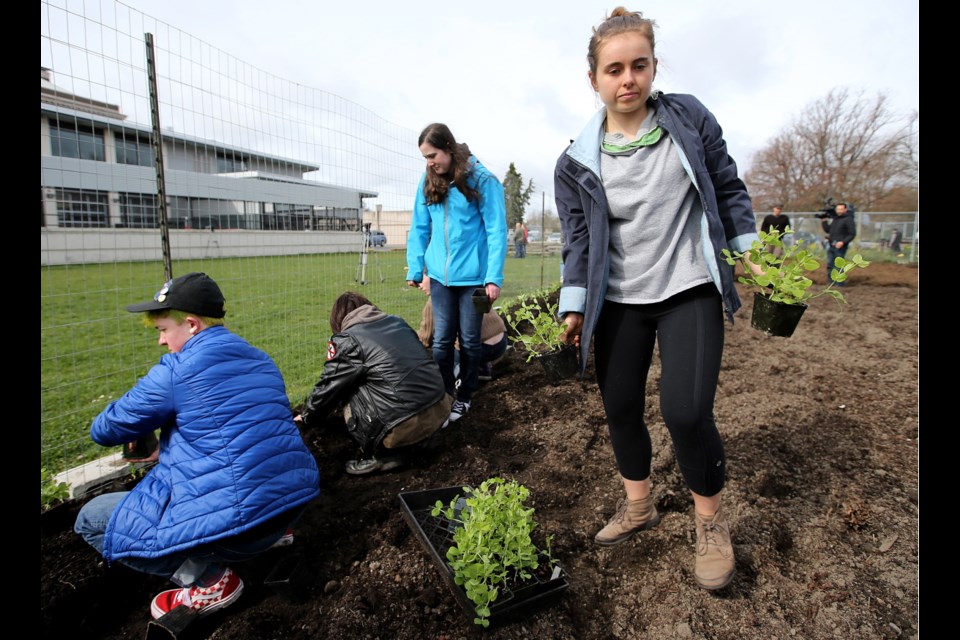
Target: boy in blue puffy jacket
x=233, y=472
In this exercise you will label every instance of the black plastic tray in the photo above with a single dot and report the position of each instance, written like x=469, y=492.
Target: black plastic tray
x=436, y=535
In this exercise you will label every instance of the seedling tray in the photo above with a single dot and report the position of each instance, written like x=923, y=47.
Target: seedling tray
x=436, y=535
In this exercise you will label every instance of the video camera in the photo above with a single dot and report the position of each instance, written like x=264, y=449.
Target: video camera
x=829, y=210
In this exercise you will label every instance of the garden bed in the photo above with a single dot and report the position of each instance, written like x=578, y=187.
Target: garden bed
x=822, y=494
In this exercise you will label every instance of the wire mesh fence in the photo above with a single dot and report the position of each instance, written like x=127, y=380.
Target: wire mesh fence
x=285, y=194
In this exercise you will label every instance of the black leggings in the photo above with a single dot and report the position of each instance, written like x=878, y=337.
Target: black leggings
x=689, y=330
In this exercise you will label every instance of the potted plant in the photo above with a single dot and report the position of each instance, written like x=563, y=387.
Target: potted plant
x=783, y=283
x=538, y=328
x=483, y=542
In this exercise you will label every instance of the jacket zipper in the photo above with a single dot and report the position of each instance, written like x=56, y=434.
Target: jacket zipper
x=446, y=240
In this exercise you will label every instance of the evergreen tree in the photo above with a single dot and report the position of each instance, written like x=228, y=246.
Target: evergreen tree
x=515, y=195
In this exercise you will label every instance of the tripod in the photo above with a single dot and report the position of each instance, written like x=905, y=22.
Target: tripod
x=365, y=251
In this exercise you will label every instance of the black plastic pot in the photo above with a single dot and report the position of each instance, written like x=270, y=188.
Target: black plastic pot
x=436, y=535
x=141, y=448
x=775, y=318
x=560, y=365
x=481, y=301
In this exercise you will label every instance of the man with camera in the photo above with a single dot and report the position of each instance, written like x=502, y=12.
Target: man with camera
x=841, y=230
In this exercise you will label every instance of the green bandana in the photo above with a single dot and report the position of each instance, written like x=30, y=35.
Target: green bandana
x=651, y=137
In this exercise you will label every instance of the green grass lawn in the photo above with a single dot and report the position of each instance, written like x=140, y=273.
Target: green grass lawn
x=92, y=351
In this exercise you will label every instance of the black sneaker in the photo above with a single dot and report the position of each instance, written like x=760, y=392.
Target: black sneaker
x=363, y=467
x=458, y=410
x=486, y=372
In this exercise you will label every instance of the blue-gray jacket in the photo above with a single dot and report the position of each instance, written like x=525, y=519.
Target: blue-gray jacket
x=459, y=242
x=231, y=456
x=728, y=220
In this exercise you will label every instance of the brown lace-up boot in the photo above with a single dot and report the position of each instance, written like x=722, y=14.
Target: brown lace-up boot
x=631, y=516
x=714, y=565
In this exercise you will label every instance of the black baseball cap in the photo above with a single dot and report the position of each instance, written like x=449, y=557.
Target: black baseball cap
x=193, y=293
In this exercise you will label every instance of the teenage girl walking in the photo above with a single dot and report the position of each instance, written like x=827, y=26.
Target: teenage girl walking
x=648, y=198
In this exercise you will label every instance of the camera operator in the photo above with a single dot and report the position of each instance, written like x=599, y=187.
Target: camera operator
x=840, y=230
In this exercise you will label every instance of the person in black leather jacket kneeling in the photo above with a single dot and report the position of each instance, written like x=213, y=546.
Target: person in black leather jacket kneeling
x=390, y=384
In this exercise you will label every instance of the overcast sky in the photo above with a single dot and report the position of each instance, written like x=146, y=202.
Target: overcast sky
x=509, y=77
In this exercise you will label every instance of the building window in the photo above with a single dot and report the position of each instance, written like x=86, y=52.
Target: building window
x=138, y=210
x=71, y=140
x=230, y=163
x=82, y=208
x=287, y=217
x=134, y=149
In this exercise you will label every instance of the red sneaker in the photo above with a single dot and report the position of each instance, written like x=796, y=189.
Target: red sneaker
x=204, y=600
x=285, y=540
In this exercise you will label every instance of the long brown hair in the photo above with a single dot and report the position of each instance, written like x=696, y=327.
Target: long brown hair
x=437, y=186
x=346, y=303
x=425, y=332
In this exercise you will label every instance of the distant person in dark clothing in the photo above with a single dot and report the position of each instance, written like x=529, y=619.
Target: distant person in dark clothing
x=775, y=221
x=895, y=239
x=841, y=231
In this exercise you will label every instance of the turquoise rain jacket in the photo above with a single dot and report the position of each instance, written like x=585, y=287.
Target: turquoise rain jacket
x=458, y=242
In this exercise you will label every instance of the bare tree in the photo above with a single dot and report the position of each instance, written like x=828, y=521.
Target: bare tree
x=847, y=146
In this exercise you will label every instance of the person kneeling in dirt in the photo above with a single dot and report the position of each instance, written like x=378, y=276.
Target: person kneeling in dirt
x=233, y=472
x=391, y=385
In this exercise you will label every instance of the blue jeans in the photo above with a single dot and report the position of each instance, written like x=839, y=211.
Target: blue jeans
x=184, y=568
x=832, y=254
x=456, y=319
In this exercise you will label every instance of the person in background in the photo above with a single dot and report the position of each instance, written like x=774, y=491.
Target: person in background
x=390, y=386
x=840, y=230
x=519, y=242
x=233, y=473
x=648, y=197
x=896, y=237
x=457, y=235
x=777, y=221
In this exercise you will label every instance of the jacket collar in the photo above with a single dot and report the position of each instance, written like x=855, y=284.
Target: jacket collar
x=586, y=148
x=360, y=315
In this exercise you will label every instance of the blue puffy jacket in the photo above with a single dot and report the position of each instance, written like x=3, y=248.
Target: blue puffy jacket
x=458, y=242
x=231, y=456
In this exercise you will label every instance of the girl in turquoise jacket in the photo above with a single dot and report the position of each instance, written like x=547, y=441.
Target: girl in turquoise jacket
x=458, y=238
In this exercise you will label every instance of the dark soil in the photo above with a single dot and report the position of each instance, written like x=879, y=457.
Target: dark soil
x=822, y=438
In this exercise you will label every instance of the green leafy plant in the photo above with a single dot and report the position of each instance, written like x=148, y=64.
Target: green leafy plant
x=492, y=546
x=51, y=491
x=785, y=267
x=542, y=318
